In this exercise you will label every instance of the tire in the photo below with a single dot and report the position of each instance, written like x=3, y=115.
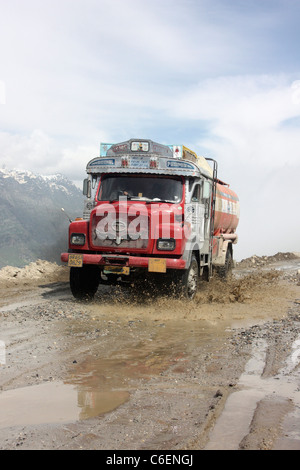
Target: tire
x=226, y=270
x=84, y=282
x=186, y=283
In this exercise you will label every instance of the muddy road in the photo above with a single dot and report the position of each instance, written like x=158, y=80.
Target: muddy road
x=143, y=371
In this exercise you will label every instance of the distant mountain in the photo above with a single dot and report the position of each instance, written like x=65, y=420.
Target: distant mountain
x=32, y=223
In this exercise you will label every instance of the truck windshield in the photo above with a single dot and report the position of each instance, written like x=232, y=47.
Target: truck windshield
x=140, y=188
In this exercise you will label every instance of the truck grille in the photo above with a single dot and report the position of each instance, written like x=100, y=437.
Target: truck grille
x=120, y=232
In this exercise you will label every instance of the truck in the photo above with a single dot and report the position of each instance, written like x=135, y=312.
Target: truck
x=152, y=213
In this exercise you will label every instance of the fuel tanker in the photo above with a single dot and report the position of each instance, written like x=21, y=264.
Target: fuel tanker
x=151, y=212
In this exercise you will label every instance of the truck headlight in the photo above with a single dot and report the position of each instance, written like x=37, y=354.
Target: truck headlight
x=166, y=244
x=77, y=239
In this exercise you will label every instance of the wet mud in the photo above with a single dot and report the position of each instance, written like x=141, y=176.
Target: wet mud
x=142, y=370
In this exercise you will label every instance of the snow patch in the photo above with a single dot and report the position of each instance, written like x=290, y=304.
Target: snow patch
x=54, y=182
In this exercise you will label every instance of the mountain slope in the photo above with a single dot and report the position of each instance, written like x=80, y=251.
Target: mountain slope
x=32, y=224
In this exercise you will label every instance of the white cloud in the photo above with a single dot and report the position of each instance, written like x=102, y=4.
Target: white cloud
x=23, y=151
x=253, y=132
x=247, y=117
x=2, y=92
x=41, y=154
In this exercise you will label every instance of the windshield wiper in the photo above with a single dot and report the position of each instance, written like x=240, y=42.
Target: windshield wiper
x=122, y=198
x=163, y=200
x=149, y=200
x=143, y=199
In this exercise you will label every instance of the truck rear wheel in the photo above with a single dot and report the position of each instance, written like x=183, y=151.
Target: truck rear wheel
x=226, y=270
x=84, y=282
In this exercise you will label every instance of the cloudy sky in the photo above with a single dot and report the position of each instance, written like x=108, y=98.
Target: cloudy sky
x=219, y=76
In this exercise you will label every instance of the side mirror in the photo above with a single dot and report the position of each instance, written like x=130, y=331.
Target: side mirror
x=206, y=190
x=86, y=187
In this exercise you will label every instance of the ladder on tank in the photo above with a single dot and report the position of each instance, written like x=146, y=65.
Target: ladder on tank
x=212, y=216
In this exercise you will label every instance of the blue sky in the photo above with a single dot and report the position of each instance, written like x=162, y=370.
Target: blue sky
x=221, y=77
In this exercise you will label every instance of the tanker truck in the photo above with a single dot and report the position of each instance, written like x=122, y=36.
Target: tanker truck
x=151, y=212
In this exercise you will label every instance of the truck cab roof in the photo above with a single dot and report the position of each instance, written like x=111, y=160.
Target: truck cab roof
x=146, y=156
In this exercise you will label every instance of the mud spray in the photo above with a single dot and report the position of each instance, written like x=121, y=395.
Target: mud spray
x=250, y=296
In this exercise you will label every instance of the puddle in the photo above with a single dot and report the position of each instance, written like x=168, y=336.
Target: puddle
x=102, y=380
x=235, y=421
x=55, y=402
x=129, y=365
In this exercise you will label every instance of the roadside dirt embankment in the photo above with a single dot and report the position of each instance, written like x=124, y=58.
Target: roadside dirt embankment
x=33, y=274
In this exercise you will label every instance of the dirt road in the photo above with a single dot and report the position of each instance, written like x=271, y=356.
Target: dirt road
x=138, y=371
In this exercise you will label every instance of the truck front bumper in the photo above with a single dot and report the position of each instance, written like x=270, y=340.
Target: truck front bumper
x=151, y=264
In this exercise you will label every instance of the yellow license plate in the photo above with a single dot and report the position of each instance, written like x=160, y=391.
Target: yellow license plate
x=75, y=260
x=157, y=265
x=116, y=270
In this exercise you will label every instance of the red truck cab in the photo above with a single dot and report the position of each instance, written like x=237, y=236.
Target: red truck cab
x=149, y=213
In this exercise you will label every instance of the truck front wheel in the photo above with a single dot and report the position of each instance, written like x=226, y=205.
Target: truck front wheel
x=186, y=282
x=84, y=282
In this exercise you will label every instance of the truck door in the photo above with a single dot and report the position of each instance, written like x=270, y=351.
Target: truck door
x=206, y=201
x=197, y=210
